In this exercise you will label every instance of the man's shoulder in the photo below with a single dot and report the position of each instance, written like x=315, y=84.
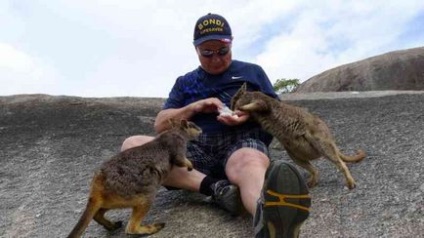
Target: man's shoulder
x=192, y=74
x=241, y=64
x=189, y=77
x=246, y=69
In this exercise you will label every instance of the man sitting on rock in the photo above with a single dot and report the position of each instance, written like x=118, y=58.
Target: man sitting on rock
x=231, y=156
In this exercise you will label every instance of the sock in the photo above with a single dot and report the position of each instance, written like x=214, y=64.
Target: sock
x=205, y=185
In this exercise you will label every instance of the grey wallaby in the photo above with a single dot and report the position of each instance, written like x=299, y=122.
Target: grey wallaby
x=132, y=178
x=304, y=136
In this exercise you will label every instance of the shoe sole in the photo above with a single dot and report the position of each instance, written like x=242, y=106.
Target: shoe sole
x=286, y=198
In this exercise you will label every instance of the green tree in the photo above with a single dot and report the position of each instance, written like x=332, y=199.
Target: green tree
x=285, y=85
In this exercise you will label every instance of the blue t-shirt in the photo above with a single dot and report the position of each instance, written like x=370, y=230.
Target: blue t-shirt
x=198, y=84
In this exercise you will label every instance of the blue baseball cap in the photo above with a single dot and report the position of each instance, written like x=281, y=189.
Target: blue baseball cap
x=212, y=27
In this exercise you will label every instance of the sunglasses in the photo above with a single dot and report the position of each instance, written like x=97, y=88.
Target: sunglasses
x=209, y=53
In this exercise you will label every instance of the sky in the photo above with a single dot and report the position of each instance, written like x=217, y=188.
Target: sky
x=138, y=48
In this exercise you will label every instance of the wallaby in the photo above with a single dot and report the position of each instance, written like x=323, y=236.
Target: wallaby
x=304, y=136
x=132, y=178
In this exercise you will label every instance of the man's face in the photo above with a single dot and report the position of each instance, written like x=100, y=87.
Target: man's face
x=214, y=56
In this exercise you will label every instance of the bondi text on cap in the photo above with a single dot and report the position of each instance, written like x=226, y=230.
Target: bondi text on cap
x=217, y=22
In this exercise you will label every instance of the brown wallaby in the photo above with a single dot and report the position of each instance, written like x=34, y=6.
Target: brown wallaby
x=132, y=178
x=304, y=136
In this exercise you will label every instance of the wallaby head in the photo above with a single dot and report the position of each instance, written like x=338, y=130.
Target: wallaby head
x=249, y=101
x=189, y=128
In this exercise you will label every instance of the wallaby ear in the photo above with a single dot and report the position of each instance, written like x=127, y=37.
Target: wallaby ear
x=237, y=95
x=256, y=105
x=172, y=122
x=243, y=87
x=184, y=123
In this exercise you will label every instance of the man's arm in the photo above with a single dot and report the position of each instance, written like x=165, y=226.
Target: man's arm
x=208, y=105
x=161, y=121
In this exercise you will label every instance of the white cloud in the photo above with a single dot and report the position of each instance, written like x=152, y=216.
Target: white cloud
x=139, y=48
x=330, y=33
x=22, y=73
x=120, y=77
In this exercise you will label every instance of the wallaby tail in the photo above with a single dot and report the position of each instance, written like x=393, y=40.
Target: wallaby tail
x=360, y=155
x=91, y=209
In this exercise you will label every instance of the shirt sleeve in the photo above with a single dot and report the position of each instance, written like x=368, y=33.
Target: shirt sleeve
x=266, y=85
x=176, y=96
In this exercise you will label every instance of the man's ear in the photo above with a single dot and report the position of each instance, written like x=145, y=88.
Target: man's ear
x=256, y=105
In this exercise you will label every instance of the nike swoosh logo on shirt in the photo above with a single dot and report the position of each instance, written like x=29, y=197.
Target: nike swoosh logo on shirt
x=236, y=77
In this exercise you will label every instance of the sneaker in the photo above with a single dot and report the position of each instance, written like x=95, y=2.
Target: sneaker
x=227, y=196
x=284, y=203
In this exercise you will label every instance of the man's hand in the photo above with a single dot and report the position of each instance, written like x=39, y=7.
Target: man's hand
x=208, y=105
x=211, y=105
x=237, y=118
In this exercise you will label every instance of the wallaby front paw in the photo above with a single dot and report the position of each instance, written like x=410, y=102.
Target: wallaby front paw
x=189, y=165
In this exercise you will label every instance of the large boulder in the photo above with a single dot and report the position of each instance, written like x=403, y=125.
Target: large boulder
x=50, y=147
x=397, y=70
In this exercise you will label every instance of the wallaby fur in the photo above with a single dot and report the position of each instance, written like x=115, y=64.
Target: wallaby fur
x=304, y=136
x=132, y=178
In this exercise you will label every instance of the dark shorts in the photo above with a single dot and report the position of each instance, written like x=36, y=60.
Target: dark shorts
x=209, y=154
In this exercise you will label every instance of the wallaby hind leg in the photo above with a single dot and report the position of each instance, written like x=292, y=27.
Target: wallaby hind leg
x=100, y=218
x=342, y=167
x=329, y=150
x=332, y=153
x=134, y=226
x=313, y=177
x=313, y=172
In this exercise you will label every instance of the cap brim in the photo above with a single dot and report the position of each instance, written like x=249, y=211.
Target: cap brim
x=223, y=38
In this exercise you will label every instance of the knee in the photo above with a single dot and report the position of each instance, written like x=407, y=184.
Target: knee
x=244, y=160
x=134, y=141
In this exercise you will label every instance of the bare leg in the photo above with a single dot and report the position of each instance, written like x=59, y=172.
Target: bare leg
x=246, y=168
x=178, y=177
x=134, y=141
x=181, y=178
